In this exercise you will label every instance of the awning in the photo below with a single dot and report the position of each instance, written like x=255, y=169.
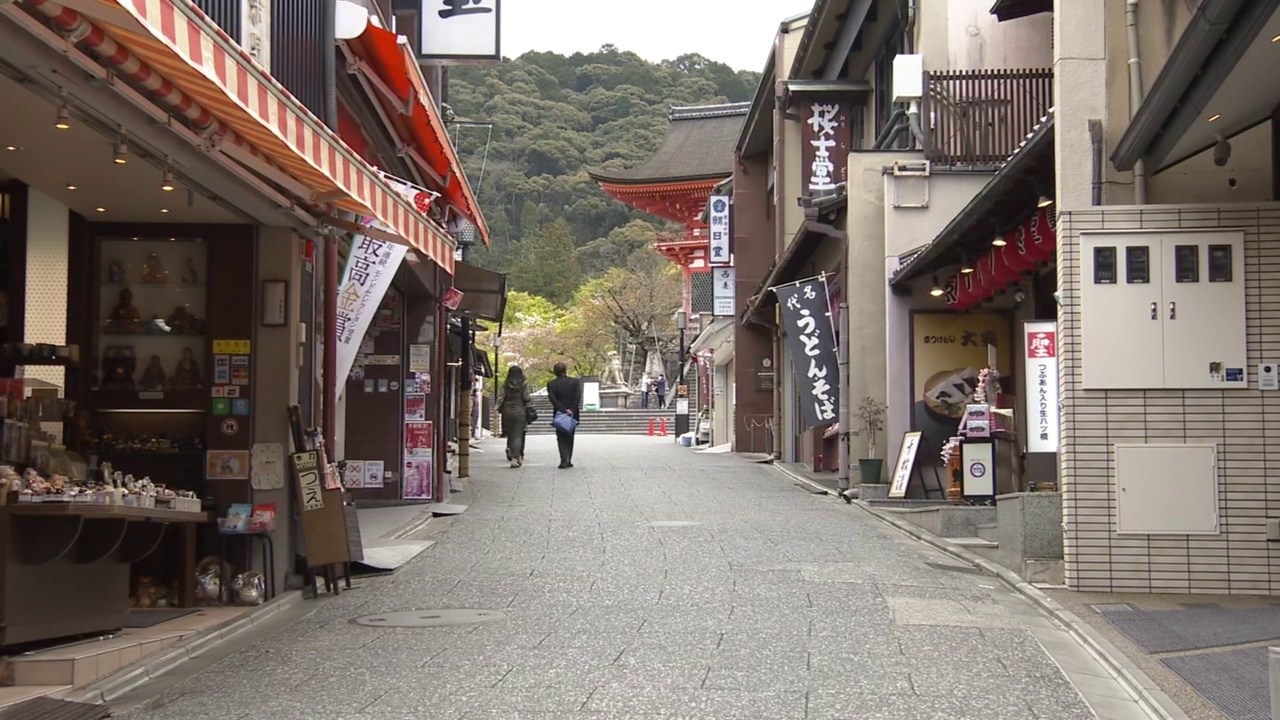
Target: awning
x=484, y=292
x=1014, y=9
x=714, y=338
x=406, y=101
x=1212, y=86
x=1009, y=198
x=804, y=244
x=179, y=52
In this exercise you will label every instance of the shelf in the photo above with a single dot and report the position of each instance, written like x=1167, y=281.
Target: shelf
x=108, y=333
x=149, y=453
x=192, y=400
x=136, y=285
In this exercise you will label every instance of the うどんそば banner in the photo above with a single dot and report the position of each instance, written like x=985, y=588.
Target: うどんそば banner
x=810, y=338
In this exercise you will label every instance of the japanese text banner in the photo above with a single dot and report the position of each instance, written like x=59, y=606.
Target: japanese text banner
x=370, y=269
x=806, y=318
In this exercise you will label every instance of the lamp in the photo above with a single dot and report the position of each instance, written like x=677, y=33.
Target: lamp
x=682, y=320
x=63, y=121
x=1044, y=202
x=966, y=267
x=937, y=290
x=998, y=239
x=167, y=184
x=121, y=155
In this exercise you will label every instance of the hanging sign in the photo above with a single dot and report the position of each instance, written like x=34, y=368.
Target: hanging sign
x=370, y=269
x=825, y=143
x=722, y=298
x=718, y=218
x=460, y=31
x=452, y=298
x=806, y=315
x=1040, y=381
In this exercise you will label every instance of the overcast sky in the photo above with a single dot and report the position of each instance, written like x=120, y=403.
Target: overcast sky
x=738, y=33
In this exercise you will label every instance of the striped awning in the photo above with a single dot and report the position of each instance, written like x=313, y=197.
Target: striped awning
x=190, y=52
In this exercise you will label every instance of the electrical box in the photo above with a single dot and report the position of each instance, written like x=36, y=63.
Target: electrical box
x=1163, y=310
x=1167, y=489
x=908, y=78
x=1269, y=376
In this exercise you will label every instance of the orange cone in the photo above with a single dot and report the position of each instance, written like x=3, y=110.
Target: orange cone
x=663, y=433
x=650, y=427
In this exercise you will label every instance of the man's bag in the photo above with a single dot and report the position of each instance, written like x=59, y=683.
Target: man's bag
x=564, y=423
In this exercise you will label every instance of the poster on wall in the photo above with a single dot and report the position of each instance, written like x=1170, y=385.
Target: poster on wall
x=374, y=472
x=368, y=273
x=810, y=337
x=948, y=350
x=227, y=465
x=1040, y=385
x=723, y=292
x=415, y=407
x=353, y=474
x=417, y=437
x=417, y=477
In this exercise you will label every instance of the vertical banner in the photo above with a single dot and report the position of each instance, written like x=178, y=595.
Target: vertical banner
x=725, y=288
x=825, y=141
x=721, y=247
x=806, y=317
x=369, y=272
x=1040, y=385
x=460, y=31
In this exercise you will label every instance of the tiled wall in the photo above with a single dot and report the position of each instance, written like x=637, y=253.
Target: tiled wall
x=1241, y=422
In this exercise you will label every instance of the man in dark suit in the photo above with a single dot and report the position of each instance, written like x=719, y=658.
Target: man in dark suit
x=565, y=394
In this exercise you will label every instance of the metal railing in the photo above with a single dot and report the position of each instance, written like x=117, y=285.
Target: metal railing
x=982, y=116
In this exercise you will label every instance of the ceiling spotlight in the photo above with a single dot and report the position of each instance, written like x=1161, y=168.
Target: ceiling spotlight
x=73, y=187
x=121, y=156
x=100, y=209
x=936, y=290
x=167, y=185
x=12, y=148
x=1044, y=202
x=63, y=120
x=164, y=211
x=1213, y=118
x=1276, y=39
x=999, y=241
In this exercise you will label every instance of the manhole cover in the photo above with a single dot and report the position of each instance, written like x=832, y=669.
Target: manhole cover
x=429, y=618
x=673, y=523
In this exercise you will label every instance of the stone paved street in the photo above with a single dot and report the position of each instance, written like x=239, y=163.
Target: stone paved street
x=652, y=582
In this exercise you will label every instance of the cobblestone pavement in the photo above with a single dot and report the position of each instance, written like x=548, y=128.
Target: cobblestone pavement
x=652, y=582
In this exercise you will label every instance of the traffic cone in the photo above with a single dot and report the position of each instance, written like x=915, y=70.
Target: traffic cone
x=663, y=433
x=650, y=427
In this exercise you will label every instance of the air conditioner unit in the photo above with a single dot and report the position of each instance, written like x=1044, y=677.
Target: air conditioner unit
x=908, y=78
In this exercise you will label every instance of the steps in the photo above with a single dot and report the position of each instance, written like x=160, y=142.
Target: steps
x=605, y=422
x=79, y=664
x=989, y=532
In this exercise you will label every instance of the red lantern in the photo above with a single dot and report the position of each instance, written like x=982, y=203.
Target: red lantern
x=1017, y=253
x=984, y=284
x=1000, y=266
x=952, y=293
x=1043, y=238
x=967, y=297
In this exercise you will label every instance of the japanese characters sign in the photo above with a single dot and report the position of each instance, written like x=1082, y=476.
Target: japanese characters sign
x=906, y=462
x=255, y=30
x=1040, y=385
x=461, y=31
x=310, y=490
x=806, y=317
x=368, y=274
x=948, y=351
x=721, y=247
x=825, y=142
x=722, y=297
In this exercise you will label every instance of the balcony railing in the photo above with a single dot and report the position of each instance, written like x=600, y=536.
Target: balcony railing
x=981, y=116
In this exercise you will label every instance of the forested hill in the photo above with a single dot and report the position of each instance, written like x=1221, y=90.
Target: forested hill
x=553, y=118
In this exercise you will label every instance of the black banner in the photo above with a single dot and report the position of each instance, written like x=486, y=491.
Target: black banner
x=806, y=318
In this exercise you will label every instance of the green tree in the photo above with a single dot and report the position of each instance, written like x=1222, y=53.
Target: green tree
x=546, y=264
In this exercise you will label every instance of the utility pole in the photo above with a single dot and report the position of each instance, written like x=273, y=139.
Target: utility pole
x=682, y=390
x=464, y=401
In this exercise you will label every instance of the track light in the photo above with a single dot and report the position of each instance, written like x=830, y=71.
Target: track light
x=1045, y=201
x=167, y=185
x=121, y=156
x=63, y=121
x=998, y=239
x=965, y=266
x=937, y=290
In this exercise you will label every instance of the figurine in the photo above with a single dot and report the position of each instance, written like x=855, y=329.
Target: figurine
x=115, y=272
x=189, y=275
x=153, y=376
x=187, y=374
x=152, y=271
x=182, y=322
x=118, y=366
x=124, y=316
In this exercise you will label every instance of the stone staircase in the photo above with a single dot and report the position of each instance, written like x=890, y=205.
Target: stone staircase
x=606, y=422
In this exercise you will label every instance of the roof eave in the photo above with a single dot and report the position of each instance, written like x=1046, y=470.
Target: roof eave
x=755, y=136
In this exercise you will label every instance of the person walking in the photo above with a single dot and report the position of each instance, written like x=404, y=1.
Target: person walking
x=516, y=406
x=661, y=390
x=646, y=385
x=565, y=394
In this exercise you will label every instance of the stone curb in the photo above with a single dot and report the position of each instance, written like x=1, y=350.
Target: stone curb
x=113, y=686
x=1149, y=696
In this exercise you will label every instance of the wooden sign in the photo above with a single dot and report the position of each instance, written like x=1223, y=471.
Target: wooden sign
x=905, y=464
x=324, y=522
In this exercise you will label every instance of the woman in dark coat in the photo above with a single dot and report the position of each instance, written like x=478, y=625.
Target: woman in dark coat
x=515, y=405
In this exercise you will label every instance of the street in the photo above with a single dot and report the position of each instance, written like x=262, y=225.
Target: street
x=650, y=581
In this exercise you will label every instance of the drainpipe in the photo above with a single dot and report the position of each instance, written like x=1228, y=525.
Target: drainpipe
x=1135, y=94
x=908, y=41
x=889, y=127
x=1095, y=139
x=913, y=117
x=842, y=474
x=329, y=63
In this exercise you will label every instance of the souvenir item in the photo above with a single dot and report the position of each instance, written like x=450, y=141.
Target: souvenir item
x=125, y=318
x=153, y=375
x=187, y=374
x=115, y=272
x=118, y=366
x=248, y=588
x=153, y=271
x=182, y=322
x=189, y=275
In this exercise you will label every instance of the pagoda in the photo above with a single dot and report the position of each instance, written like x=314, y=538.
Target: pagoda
x=674, y=184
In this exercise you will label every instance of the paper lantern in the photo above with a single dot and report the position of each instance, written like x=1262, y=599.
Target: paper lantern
x=951, y=292
x=1000, y=270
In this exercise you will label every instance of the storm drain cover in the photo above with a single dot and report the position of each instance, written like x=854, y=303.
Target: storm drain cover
x=429, y=618
x=673, y=523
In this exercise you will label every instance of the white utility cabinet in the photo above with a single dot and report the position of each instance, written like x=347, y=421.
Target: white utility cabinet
x=1163, y=310
x=1167, y=489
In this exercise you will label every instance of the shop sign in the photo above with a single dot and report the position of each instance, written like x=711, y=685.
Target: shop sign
x=806, y=315
x=764, y=374
x=1040, y=340
x=722, y=298
x=231, y=347
x=452, y=298
x=310, y=489
x=460, y=31
x=905, y=464
x=718, y=219
x=255, y=30
x=370, y=269
x=825, y=142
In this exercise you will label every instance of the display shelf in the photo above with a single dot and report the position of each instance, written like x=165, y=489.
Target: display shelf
x=193, y=400
x=141, y=285
x=139, y=335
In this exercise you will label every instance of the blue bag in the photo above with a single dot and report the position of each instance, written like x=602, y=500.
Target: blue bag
x=564, y=423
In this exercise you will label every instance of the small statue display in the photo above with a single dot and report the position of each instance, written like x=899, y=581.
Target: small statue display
x=187, y=374
x=125, y=318
x=153, y=375
x=153, y=272
x=118, y=366
x=115, y=272
x=183, y=322
x=189, y=274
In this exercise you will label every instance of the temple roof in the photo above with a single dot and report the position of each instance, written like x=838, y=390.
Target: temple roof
x=699, y=145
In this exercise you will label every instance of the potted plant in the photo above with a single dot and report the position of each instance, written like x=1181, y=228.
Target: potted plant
x=870, y=416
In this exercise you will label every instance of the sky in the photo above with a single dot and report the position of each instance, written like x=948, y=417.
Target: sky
x=738, y=33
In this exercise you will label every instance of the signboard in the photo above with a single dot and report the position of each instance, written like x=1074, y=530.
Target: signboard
x=806, y=317
x=764, y=374
x=723, y=292
x=452, y=298
x=590, y=396
x=825, y=143
x=310, y=489
x=978, y=467
x=905, y=464
x=370, y=269
x=1040, y=385
x=324, y=522
x=720, y=249
x=461, y=31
